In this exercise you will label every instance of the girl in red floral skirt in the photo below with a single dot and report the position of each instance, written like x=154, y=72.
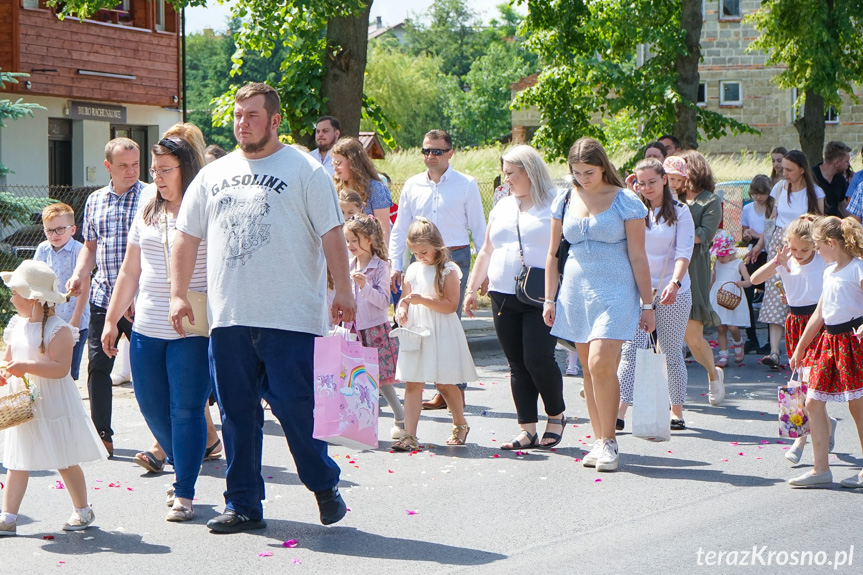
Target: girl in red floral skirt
x=802, y=273
x=837, y=360
x=370, y=279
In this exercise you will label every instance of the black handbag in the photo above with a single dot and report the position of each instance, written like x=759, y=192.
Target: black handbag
x=530, y=283
x=563, y=248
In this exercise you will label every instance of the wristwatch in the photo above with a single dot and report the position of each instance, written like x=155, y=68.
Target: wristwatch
x=677, y=283
x=647, y=307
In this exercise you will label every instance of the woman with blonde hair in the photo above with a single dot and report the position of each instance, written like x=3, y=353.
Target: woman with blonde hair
x=354, y=170
x=518, y=231
x=604, y=276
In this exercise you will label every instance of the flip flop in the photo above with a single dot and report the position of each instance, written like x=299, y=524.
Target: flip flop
x=150, y=462
x=209, y=455
x=678, y=424
x=549, y=435
x=516, y=444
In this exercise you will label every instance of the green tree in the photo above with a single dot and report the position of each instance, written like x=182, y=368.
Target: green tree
x=597, y=65
x=208, y=60
x=323, y=43
x=820, y=46
x=411, y=91
x=451, y=34
x=10, y=110
x=481, y=113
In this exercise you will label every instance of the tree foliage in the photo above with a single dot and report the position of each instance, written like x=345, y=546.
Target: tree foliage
x=820, y=45
x=10, y=110
x=597, y=65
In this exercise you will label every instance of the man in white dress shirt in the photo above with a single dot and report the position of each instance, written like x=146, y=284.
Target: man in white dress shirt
x=451, y=200
x=327, y=133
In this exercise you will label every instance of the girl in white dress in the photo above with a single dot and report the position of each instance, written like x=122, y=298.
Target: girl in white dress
x=430, y=296
x=60, y=436
x=728, y=268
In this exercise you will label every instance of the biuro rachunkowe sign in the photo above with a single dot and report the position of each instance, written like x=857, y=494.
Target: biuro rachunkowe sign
x=92, y=111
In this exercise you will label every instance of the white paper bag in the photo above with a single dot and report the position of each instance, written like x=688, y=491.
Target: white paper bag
x=650, y=400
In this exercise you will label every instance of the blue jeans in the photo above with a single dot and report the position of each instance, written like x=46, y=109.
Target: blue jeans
x=78, y=352
x=251, y=363
x=172, y=382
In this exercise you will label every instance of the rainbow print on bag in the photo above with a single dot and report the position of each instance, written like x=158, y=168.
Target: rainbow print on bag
x=351, y=380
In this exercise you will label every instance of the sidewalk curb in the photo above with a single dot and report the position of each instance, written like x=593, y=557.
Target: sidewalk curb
x=484, y=344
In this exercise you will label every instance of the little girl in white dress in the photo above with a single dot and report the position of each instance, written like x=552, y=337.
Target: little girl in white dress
x=60, y=436
x=430, y=295
x=728, y=268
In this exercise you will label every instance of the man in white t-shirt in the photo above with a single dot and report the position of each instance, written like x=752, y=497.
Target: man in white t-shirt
x=327, y=133
x=272, y=222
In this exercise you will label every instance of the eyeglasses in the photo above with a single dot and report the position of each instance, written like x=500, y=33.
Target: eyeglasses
x=59, y=231
x=163, y=172
x=434, y=151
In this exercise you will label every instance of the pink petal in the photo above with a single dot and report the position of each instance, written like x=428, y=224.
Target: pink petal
x=724, y=460
x=577, y=459
x=410, y=512
x=297, y=562
x=48, y=537
x=741, y=453
x=733, y=443
x=763, y=441
x=597, y=480
x=130, y=489
x=290, y=543
x=496, y=455
x=348, y=508
x=265, y=554
x=390, y=470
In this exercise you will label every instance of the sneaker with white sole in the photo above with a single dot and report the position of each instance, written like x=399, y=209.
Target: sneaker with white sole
x=812, y=479
x=609, y=459
x=855, y=482
x=79, y=521
x=7, y=529
x=589, y=460
x=796, y=452
x=716, y=389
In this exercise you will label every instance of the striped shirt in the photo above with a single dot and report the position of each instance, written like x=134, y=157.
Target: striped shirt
x=107, y=219
x=153, y=303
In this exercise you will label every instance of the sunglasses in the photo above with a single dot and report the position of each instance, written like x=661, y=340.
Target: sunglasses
x=435, y=151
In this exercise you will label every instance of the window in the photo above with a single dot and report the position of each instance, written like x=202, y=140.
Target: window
x=701, y=99
x=730, y=94
x=730, y=10
x=160, y=15
x=831, y=116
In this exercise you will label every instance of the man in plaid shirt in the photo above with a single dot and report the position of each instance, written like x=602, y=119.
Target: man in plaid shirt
x=108, y=216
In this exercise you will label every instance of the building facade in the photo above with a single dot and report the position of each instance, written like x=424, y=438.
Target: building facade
x=116, y=74
x=738, y=84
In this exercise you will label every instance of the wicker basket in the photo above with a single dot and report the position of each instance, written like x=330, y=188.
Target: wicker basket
x=727, y=299
x=17, y=408
x=410, y=337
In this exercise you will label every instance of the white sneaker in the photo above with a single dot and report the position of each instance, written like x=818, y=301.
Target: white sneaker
x=79, y=521
x=855, y=482
x=796, y=452
x=716, y=389
x=832, y=444
x=119, y=379
x=573, y=369
x=812, y=479
x=398, y=432
x=590, y=459
x=609, y=459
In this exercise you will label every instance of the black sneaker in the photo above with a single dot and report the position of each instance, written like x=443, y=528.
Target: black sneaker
x=331, y=505
x=232, y=522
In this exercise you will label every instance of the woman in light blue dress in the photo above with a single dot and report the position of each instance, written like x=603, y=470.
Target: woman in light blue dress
x=605, y=293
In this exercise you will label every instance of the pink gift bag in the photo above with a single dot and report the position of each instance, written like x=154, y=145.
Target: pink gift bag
x=346, y=393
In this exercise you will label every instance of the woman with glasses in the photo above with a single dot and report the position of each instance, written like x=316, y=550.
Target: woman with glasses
x=354, y=171
x=171, y=375
x=669, y=239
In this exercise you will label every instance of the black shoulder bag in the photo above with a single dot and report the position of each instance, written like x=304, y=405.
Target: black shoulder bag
x=530, y=283
x=563, y=248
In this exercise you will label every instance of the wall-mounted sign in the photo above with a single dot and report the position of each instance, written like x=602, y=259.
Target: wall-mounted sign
x=93, y=111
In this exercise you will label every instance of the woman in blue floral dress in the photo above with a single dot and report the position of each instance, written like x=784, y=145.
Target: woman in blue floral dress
x=605, y=282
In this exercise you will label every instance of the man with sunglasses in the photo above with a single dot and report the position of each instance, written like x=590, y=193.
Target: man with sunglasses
x=108, y=215
x=451, y=201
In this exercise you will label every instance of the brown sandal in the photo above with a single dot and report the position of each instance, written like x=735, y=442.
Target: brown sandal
x=407, y=443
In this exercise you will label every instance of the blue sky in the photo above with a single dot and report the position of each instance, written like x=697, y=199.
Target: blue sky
x=392, y=12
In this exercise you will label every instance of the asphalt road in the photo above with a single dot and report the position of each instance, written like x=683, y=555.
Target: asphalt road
x=718, y=487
